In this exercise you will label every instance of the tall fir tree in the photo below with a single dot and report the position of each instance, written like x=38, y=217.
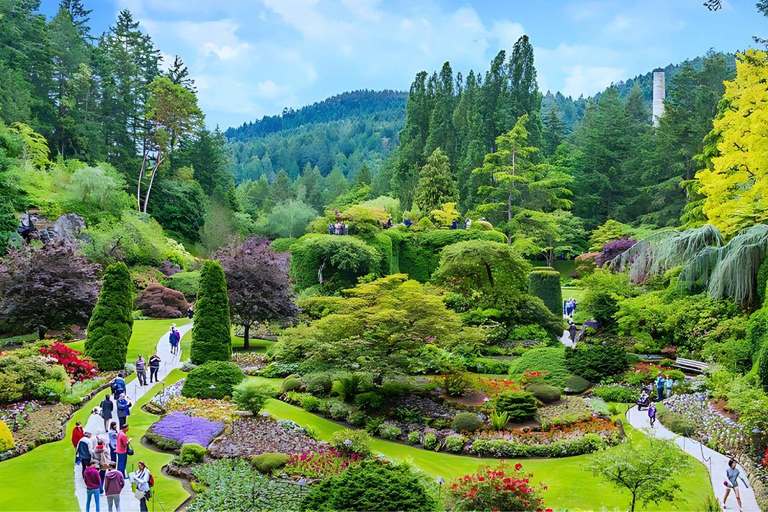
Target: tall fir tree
x=211, y=333
x=436, y=185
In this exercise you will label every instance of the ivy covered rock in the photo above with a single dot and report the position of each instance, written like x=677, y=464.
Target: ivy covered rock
x=211, y=333
x=111, y=323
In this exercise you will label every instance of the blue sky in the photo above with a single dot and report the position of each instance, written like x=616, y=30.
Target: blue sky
x=254, y=57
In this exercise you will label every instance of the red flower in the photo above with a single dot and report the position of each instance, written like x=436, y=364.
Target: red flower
x=518, y=466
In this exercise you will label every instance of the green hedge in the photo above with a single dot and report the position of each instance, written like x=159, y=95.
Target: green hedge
x=111, y=324
x=187, y=283
x=502, y=448
x=595, y=362
x=214, y=379
x=211, y=332
x=345, y=259
x=545, y=284
x=283, y=244
x=545, y=359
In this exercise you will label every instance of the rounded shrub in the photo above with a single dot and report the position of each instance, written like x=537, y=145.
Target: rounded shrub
x=191, y=453
x=291, y=384
x=6, y=439
x=251, y=396
x=544, y=392
x=413, y=437
x=111, y=324
x=371, y=486
x=520, y=405
x=466, y=422
x=214, y=379
x=616, y=394
x=430, y=441
x=594, y=362
x=544, y=283
x=352, y=441
x=576, y=384
x=211, y=339
x=545, y=359
x=454, y=443
x=390, y=432
x=266, y=463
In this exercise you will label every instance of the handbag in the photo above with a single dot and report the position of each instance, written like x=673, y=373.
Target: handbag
x=139, y=494
x=130, y=450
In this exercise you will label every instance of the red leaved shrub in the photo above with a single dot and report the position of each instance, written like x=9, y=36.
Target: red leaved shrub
x=78, y=369
x=160, y=302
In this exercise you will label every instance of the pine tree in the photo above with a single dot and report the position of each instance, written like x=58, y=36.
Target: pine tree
x=436, y=185
x=111, y=324
x=80, y=17
x=553, y=132
x=282, y=188
x=211, y=333
x=364, y=176
x=179, y=75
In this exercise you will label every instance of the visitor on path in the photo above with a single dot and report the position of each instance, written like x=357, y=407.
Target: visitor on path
x=92, y=483
x=732, y=477
x=141, y=370
x=467, y=223
x=122, y=449
x=106, y=411
x=644, y=400
x=77, y=435
x=660, y=381
x=102, y=458
x=142, y=478
x=572, y=330
x=123, y=409
x=331, y=229
x=652, y=413
x=113, y=486
x=190, y=313
x=407, y=222
x=118, y=385
x=389, y=221
x=113, y=441
x=154, y=367
x=668, y=383
x=174, y=338
x=85, y=451
x=454, y=224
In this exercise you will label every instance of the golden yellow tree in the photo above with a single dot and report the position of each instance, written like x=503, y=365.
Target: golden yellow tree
x=735, y=185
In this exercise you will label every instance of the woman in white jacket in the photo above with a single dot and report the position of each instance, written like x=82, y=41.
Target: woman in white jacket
x=141, y=478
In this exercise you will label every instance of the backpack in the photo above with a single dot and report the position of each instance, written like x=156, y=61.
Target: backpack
x=122, y=405
x=151, y=480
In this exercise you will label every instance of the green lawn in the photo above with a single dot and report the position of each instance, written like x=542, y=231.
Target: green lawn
x=576, y=293
x=256, y=344
x=570, y=485
x=50, y=468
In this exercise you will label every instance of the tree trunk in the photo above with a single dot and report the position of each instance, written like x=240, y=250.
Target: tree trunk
x=152, y=180
x=141, y=176
x=320, y=274
x=246, y=336
x=490, y=274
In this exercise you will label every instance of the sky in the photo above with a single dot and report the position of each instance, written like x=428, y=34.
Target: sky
x=252, y=58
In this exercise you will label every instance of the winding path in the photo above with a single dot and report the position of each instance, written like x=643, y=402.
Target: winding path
x=716, y=463
x=95, y=425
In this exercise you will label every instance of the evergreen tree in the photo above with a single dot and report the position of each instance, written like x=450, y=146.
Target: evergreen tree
x=80, y=17
x=364, y=176
x=553, y=132
x=211, y=332
x=179, y=75
x=436, y=185
x=282, y=188
x=111, y=325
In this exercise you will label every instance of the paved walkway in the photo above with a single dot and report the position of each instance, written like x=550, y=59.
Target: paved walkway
x=95, y=425
x=716, y=463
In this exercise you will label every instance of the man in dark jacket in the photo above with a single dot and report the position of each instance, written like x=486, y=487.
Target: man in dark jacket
x=106, y=411
x=85, y=452
x=154, y=367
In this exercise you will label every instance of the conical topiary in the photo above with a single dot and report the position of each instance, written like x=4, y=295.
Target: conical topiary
x=545, y=284
x=111, y=325
x=211, y=339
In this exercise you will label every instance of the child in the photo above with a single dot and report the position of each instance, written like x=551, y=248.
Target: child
x=652, y=413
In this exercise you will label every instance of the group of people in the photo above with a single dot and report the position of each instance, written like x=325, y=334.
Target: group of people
x=569, y=308
x=339, y=228
x=154, y=367
x=174, y=338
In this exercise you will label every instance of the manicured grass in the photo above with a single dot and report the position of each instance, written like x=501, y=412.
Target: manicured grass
x=256, y=344
x=576, y=293
x=570, y=485
x=42, y=479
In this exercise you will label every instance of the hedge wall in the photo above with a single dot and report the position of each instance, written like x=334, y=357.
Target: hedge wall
x=545, y=284
x=345, y=257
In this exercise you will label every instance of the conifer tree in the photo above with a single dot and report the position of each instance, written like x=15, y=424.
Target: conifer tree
x=211, y=339
x=436, y=186
x=111, y=325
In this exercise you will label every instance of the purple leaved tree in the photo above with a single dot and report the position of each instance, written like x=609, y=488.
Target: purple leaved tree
x=613, y=249
x=257, y=284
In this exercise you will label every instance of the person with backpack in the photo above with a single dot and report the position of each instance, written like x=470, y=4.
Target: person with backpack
x=113, y=486
x=144, y=482
x=154, y=367
x=123, y=410
x=122, y=449
x=106, y=411
x=102, y=457
x=77, y=435
x=118, y=385
x=85, y=451
x=92, y=483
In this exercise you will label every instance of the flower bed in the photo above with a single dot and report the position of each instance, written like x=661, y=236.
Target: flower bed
x=563, y=448
x=254, y=436
x=160, y=400
x=719, y=432
x=214, y=410
x=182, y=429
x=324, y=463
x=603, y=428
x=250, y=362
x=77, y=368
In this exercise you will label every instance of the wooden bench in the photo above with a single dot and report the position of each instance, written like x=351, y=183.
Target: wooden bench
x=691, y=365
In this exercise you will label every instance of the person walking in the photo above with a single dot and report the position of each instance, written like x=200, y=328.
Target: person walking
x=122, y=449
x=572, y=330
x=154, y=367
x=123, y=410
x=668, y=383
x=660, y=380
x=106, y=411
x=142, y=478
x=85, y=451
x=652, y=413
x=92, y=483
x=732, y=477
x=467, y=223
x=172, y=337
x=190, y=313
x=141, y=370
x=77, y=435
x=176, y=341
x=113, y=441
x=118, y=385
x=331, y=229
x=113, y=486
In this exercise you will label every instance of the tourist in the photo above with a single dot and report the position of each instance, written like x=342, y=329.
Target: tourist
x=331, y=229
x=337, y=228
x=172, y=337
x=572, y=330
x=389, y=221
x=113, y=441
x=454, y=224
x=102, y=458
x=652, y=413
x=123, y=409
x=154, y=367
x=660, y=380
x=142, y=480
x=113, y=486
x=141, y=370
x=467, y=223
x=77, y=434
x=190, y=313
x=106, y=411
x=732, y=477
x=122, y=449
x=85, y=451
x=92, y=483
x=668, y=383
x=176, y=340
x=407, y=222
x=118, y=385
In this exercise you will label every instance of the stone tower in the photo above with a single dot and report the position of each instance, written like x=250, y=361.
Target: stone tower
x=659, y=92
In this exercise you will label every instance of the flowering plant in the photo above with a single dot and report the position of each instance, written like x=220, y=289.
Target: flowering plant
x=529, y=377
x=493, y=387
x=601, y=427
x=77, y=368
x=324, y=463
x=501, y=488
x=185, y=429
x=214, y=410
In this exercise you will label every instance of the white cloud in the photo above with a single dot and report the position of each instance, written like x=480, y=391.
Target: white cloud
x=589, y=80
x=268, y=89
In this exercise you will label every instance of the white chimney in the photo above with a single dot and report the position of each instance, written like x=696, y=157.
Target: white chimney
x=659, y=92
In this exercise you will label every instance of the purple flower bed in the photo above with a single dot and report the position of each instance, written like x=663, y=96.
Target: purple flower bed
x=187, y=429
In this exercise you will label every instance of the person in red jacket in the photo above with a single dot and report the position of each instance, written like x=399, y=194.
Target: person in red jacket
x=77, y=434
x=93, y=484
